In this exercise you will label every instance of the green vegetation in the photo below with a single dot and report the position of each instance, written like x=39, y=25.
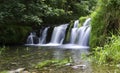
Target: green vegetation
x=52, y=63
x=104, y=40
x=3, y=71
x=3, y=49
x=109, y=53
x=105, y=20
x=82, y=20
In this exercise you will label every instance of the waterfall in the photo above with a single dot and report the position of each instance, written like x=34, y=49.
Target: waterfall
x=58, y=34
x=85, y=39
x=74, y=32
x=73, y=35
x=42, y=39
x=32, y=38
x=78, y=35
x=76, y=24
x=87, y=22
x=84, y=33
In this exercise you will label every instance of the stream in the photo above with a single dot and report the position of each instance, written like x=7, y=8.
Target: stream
x=29, y=57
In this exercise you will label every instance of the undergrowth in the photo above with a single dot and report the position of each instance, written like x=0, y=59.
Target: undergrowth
x=109, y=53
x=105, y=19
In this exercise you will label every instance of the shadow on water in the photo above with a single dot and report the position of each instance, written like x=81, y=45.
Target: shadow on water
x=28, y=57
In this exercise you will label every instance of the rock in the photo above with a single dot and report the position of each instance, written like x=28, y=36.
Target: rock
x=79, y=66
x=68, y=64
x=19, y=70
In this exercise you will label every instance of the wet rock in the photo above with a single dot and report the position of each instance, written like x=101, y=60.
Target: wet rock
x=68, y=64
x=19, y=70
x=79, y=66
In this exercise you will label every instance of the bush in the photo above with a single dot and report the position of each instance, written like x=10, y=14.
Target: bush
x=109, y=53
x=12, y=34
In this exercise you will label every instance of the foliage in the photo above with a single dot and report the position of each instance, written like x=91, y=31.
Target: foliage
x=49, y=63
x=25, y=12
x=2, y=49
x=105, y=20
x=109, y=53
x=13, y=34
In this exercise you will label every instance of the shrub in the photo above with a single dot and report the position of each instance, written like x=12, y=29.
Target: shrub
x=109, y=53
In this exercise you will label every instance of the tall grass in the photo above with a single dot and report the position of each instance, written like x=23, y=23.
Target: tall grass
x=109, y=53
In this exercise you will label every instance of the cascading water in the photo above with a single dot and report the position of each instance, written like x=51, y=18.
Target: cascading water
x=42, y=39
x=32, y=38
x=58, y=34
x=76, y=24
x=78, y=36
x=83, y=36
x=73, y=35
x=73, y=32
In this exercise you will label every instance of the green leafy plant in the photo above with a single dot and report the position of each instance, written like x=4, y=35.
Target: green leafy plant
x=109, y=53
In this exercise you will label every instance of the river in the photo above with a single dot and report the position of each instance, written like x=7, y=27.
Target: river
x=28, y=57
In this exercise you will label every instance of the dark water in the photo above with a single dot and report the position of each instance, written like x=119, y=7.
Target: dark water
x=29, y=57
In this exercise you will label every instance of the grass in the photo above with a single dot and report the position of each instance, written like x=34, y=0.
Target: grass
x=109, y=53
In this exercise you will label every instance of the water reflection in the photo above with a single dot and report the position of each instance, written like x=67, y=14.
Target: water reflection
x=79, y=64
x=58, y=54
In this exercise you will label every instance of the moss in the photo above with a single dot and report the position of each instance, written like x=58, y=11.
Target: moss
x=82, y=20
x=105, y=20
x=53, y=62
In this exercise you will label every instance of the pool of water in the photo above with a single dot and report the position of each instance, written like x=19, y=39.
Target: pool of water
x=29, y=57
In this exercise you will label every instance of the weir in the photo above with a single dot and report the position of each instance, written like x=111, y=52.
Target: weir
x=79, y=36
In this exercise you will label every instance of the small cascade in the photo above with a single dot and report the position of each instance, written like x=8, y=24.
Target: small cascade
x=32, y=38
x=73, y=35
x=76, y=24
x=87, y=22
x=42, y=39
x=80, y=36
x=84, y=33
x=84, y=41
x=74, y=32
x=58, y=34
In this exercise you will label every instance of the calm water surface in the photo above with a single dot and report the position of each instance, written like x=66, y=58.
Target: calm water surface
x=28, y=57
